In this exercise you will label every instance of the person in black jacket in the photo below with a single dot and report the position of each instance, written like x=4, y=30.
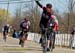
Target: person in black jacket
x=5, y=31
x=72, y=36
x=46, y=15
x=73, y=31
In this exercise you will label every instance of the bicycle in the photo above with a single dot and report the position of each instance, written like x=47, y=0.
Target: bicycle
x=44, y=39
x=23, y=37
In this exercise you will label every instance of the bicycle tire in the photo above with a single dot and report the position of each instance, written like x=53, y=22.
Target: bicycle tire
x=51, y=49
x=23, y=39
x=4, y=37
x=22, y=43
x=44, y=44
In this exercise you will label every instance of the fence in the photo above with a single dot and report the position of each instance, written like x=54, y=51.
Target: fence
x=61, y=39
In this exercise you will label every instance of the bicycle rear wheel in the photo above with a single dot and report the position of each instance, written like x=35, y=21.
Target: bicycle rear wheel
x=51, y=46
x=22, y=43
x=4, y=36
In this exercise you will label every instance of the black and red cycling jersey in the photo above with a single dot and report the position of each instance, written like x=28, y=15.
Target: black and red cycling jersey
x=45, y=16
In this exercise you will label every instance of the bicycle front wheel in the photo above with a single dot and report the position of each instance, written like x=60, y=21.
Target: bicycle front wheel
x=44, y=43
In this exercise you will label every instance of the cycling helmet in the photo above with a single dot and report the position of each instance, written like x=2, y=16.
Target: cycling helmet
x=49, y=5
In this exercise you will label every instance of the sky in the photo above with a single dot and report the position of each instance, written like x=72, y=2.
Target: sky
x=60, y=5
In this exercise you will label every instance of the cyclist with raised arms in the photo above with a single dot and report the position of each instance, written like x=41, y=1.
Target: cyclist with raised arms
x=46, y=16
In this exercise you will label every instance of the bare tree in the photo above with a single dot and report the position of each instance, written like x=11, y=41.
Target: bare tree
x=68, y=20
x=71, y=18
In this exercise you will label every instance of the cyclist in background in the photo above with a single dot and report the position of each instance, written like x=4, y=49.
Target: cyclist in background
x=5, y=31
x=24, y=26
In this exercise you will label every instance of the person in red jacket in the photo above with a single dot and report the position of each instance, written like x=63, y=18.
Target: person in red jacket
x=56, y=28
